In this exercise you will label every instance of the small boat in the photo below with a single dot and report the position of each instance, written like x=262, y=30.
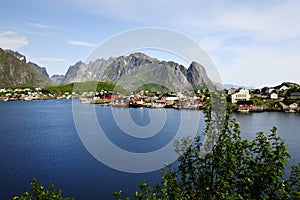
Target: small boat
x=135, y=105
x=85, y=100
x=158, y=105
x=191, y=106
x=244, y=110
x=290, y=110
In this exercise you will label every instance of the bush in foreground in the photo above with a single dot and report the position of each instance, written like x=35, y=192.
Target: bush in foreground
x=235, y=168
x=39, y=192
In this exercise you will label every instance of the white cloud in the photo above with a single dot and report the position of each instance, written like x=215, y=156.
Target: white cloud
x=12, y=40
x=261, y=65
x=81, y=43
x=39, y=25
x=43, y=60
x=212, y=43
x=265, y=20
x=274, y=22
x=124, y=10
x=51, y=59
x=52, y=64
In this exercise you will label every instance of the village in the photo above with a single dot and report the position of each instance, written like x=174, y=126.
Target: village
x=283, y=98
x=144, y=99
x=28, y=94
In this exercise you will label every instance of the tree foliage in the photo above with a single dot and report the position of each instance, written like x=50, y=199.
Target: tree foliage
x=235, y=168
x=39, y=192
x=88, y=86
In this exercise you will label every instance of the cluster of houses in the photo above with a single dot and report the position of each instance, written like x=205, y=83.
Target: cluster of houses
x=20, y=94
x=143, y=99
x=28, y=94
x=243, y=99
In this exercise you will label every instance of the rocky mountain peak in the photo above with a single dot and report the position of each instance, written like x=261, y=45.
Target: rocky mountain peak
x=79, y=63
x=140, y=59
x=136, y=69
x=17, y=55
x=196, y=74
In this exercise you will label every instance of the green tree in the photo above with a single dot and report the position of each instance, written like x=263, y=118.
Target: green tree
x=39, y=192
x=233, y=168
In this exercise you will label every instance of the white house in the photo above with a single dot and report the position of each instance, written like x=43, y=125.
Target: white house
x=171, y=98
x=273, y=96
x=241, y=95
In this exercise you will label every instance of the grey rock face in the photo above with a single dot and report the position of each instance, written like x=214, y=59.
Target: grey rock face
x=17, y=55
x=136, y=69
x=196, y=74
x=38, y=69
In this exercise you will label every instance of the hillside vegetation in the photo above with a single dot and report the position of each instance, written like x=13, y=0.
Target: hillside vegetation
x=14, y=72
x=89, y=86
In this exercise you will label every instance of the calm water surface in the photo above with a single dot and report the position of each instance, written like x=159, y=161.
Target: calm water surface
x=287, y=128
x=39, y=139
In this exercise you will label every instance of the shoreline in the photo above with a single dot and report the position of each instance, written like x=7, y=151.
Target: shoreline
x=109, y=103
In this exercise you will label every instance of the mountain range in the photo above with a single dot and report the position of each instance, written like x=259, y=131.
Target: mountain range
x=138, y=69
x=129, y=72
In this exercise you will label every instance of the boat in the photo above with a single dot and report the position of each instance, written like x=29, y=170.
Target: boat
x=191, y=106
x=244, y=110
x=85, y=100
x=135, y=105
x=158, y=105
x=290, y=110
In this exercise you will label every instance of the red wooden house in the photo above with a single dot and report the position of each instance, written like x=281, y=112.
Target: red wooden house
x=110, y=95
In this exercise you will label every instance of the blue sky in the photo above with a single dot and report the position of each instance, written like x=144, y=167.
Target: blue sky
x=253, y=43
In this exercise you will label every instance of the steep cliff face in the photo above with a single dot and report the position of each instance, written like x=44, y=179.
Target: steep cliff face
x=110, y=70
x=137, y=69
x=14, y=72
x=38, y=69
x=196, y=75
x=75, y=73
x=17, y=55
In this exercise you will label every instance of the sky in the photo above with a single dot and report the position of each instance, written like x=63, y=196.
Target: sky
x=252, y=43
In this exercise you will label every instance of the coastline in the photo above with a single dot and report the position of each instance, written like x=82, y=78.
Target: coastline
x=153, y=105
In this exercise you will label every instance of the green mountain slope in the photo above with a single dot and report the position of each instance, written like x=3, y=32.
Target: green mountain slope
x=15, y=72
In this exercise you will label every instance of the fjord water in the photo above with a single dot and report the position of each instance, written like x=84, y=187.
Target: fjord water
x=287, y=125
x=39, y=139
